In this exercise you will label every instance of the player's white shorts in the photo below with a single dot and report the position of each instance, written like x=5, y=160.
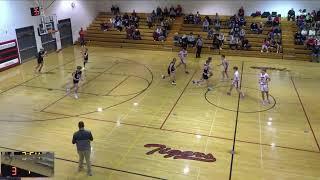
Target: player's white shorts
x=236, y=84
x=264, y=88
x=183, y=60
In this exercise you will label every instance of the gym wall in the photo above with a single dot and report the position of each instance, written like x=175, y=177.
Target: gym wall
x=16, y=14
x=224, y=7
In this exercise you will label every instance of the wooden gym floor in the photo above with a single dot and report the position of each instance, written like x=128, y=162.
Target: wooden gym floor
x=247, y=140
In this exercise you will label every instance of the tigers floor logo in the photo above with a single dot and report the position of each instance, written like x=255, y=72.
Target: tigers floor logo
x=270, y=68
x=178, y=154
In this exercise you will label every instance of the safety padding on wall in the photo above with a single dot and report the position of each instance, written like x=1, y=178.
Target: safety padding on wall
x=9, y=54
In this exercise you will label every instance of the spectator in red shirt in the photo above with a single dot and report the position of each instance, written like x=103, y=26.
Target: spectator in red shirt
x=310, y=42
x=276, y=21
x=81, y=34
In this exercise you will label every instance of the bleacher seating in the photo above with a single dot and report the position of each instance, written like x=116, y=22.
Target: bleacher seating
x=113, y=38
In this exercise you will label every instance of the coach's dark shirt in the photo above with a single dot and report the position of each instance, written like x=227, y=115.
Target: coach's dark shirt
x=82, y=138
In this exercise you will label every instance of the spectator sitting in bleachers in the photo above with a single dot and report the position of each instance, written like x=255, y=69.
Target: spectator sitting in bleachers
x=312, y=32
x=236, y=30
x=269, y=21
x=125, y=16
x=189, y=19
x=221, y=40
x=184, y=40
x=177, y=40
x=254, y=27
x=234, y=43
x=298, y=38
x=205, y=25
x=210, y=33
x=309, y=19
x=105, y=26
x=265, y=45
x=136, y=35
x=241, y=12
x=217, y=25
x=291, y=15
x=119, y=25
x=191, y=39
x=129, y=31
x=245, y=44
x=304, y=33
x=233, y=18
x=242, y=21
x=273, y=45
x=159, y=34
x=276, y=21
x=311, y=41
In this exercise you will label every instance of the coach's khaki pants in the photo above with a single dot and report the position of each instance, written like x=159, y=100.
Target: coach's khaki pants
x=85, y=155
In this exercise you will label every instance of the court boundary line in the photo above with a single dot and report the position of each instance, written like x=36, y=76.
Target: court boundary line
x=235, y=127
x=97, y=166
x=174, y=105
x=306, y=115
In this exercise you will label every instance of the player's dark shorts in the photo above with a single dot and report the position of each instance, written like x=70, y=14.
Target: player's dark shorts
x=40, y=61
x=75, y=81
x=170, y=72
x=204, y=76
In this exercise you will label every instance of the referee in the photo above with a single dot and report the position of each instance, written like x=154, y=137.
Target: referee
x=82, y=139
x=199, y=44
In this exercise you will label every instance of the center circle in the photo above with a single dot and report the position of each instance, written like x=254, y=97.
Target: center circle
x=251, y=103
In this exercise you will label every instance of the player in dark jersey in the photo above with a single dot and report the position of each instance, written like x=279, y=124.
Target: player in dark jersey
x=206, y=74
x=41, y=54
x=85, y=57
x=224, y=68
x=171, y=71
x=77, y=76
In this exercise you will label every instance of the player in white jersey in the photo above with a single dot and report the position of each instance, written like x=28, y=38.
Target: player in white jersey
x=224, y=68
x=171, y=72
x=183, y=59
x=264, y=79
x=236, y=82
x=206, y=74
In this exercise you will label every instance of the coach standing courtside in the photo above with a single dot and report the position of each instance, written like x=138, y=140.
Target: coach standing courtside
x=199, y=44
x=82, y=139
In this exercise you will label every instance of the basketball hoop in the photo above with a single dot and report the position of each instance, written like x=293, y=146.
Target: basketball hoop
x=52, y=32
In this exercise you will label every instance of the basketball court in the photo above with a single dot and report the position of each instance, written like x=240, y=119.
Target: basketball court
x=134, y=115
